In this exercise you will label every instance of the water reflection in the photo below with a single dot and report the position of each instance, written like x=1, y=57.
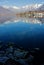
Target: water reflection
x=22, y=33
x=23, y=19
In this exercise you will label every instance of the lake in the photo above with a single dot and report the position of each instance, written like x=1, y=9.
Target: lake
x=25, y=32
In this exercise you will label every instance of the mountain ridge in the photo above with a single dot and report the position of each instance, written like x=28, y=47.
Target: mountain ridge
x=15, y=9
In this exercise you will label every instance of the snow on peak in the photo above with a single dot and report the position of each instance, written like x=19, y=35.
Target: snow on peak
x=37, y=5
x=32, y=6
x=15, y=7
x=7, y=7
x=4, y=6
x=25, y=6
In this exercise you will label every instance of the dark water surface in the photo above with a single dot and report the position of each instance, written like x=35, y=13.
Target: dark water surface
x=22, y=41
x=23, y=33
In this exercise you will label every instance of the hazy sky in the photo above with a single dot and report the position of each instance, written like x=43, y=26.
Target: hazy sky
x=19, y=2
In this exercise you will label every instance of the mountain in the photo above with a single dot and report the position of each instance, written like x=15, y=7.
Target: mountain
x=5, y=14
x=41, y=8
x=32, y=7
x=4, y=11
x=16, y=9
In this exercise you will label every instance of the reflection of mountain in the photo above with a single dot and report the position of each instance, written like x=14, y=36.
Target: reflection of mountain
x=41, y=20
x=34, y=20
x=7, y=13
x=26, y=20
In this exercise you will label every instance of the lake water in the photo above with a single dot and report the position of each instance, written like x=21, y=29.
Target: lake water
x=26, y=32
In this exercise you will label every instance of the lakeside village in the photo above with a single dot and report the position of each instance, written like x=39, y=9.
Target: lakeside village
x=32, y=14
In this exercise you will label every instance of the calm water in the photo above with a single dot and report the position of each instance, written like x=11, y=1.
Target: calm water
x=28, y=33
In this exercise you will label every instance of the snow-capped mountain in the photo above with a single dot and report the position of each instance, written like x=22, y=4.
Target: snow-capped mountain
x=32, y=7
x=41, y=8
x=12, y=8
x=4, y=11
x=23, y=8
x=15, y=9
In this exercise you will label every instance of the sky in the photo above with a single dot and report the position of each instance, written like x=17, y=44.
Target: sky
x=20, y=2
